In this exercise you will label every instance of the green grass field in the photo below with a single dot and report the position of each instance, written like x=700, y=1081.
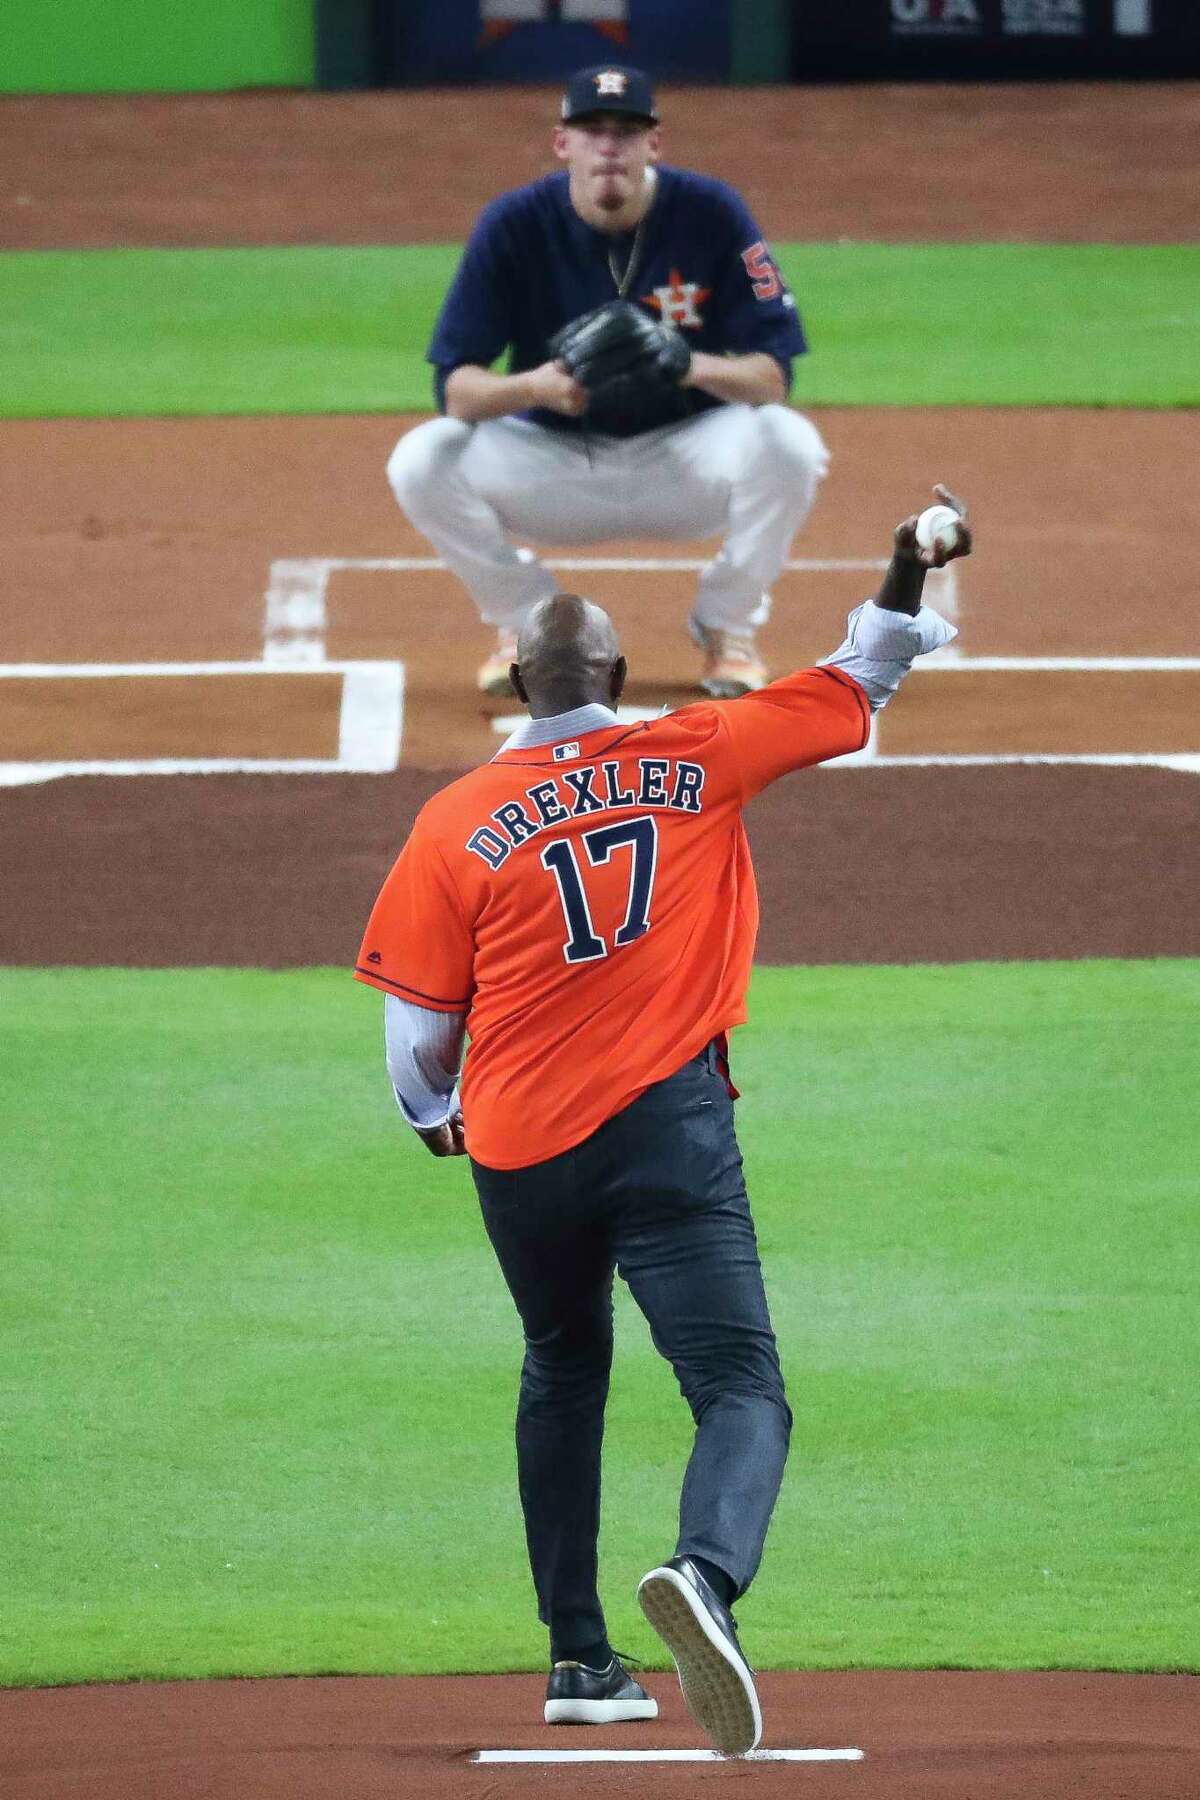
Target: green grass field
x=259, y=1367
x=125, y=332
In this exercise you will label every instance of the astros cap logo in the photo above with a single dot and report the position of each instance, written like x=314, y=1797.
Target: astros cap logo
x=609, y=88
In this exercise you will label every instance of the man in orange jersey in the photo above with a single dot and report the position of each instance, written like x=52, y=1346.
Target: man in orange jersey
x=583, y=906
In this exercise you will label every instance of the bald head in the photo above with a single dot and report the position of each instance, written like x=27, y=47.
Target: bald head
x=567, y=656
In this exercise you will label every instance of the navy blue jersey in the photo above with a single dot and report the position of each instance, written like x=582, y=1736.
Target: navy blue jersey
x=531, y=264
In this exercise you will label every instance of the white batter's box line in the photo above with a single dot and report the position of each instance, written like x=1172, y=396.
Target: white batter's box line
x=1182, y=762
x=963, y=664
x=1114, y=665
x=295, y=613
x=370, y=722
x=849, y=1754
x=296, y=606
x=308, y=570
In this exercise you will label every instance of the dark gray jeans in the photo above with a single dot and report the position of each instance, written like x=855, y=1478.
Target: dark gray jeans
x=657, y=1193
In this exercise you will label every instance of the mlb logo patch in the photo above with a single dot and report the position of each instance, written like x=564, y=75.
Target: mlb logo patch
x=564, y=752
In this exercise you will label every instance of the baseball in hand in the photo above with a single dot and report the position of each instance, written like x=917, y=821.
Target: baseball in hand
x=937, y=522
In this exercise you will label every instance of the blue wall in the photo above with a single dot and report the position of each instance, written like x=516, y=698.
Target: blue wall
x=440, y=41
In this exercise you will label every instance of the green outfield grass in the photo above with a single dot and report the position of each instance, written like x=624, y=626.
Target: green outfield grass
x=259, y=1367
x=123, y=332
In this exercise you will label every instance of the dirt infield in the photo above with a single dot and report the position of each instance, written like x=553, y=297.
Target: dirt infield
x=923, y=1736
x=1115, y=162
x=144, y=541
x=970, y=864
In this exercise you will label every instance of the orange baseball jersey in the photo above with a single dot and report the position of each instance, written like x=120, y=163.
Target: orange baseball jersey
x=591, y=906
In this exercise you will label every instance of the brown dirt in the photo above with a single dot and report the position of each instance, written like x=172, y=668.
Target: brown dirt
x=1069, y=712
x=151, y=540
x=992, y=863
x=1056, y=162
x=139, y=539
x=925, y=1736
x=107, y=717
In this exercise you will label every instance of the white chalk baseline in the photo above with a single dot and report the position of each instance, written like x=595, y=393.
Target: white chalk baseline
x=571, y=1757
x=371, y=713
x=296, y=614
x=370, y=721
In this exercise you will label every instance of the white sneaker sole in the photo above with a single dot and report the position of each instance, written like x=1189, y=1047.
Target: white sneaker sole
x=598, y=1712
x=717, y=1683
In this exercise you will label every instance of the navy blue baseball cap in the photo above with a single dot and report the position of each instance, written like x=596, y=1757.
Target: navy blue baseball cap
x=609, y=88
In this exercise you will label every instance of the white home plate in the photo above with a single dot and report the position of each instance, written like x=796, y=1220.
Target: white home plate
x=661, y=1756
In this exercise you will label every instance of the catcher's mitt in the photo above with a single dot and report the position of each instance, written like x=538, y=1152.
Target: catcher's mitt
x=620, y=356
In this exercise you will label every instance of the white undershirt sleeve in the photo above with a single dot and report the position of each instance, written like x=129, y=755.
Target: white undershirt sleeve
x=424, y=1050
x=880, y=646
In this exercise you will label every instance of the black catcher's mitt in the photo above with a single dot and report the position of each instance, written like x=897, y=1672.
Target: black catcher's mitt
x=620, y=356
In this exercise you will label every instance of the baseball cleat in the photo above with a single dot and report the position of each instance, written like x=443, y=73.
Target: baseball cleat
x=577, y=1695
x=717, y=1681
x=493, y=674
x=732, y=665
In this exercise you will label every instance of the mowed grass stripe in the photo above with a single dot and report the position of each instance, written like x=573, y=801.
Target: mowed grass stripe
x=131, y=332
x=259, y=1365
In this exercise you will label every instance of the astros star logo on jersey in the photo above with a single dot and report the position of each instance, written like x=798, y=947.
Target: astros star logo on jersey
x=679, y=302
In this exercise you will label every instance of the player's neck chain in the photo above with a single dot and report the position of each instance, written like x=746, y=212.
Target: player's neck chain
x=623, y=282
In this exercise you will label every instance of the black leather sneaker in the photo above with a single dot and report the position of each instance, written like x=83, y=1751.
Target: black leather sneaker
x=717, y=1681
x=577, y=1695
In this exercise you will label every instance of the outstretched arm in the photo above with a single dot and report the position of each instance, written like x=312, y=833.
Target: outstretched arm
x=817, y=714
x=885, y=634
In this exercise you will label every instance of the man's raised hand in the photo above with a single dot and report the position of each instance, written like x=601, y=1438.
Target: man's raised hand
x=937, y=557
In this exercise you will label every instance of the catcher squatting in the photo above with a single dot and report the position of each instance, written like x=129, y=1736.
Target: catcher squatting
x=650, y=340
x=583, y=909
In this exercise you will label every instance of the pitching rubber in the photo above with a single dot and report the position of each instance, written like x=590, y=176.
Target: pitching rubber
x=716, y=1681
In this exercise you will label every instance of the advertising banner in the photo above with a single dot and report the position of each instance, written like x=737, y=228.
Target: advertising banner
x=1001, y=36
